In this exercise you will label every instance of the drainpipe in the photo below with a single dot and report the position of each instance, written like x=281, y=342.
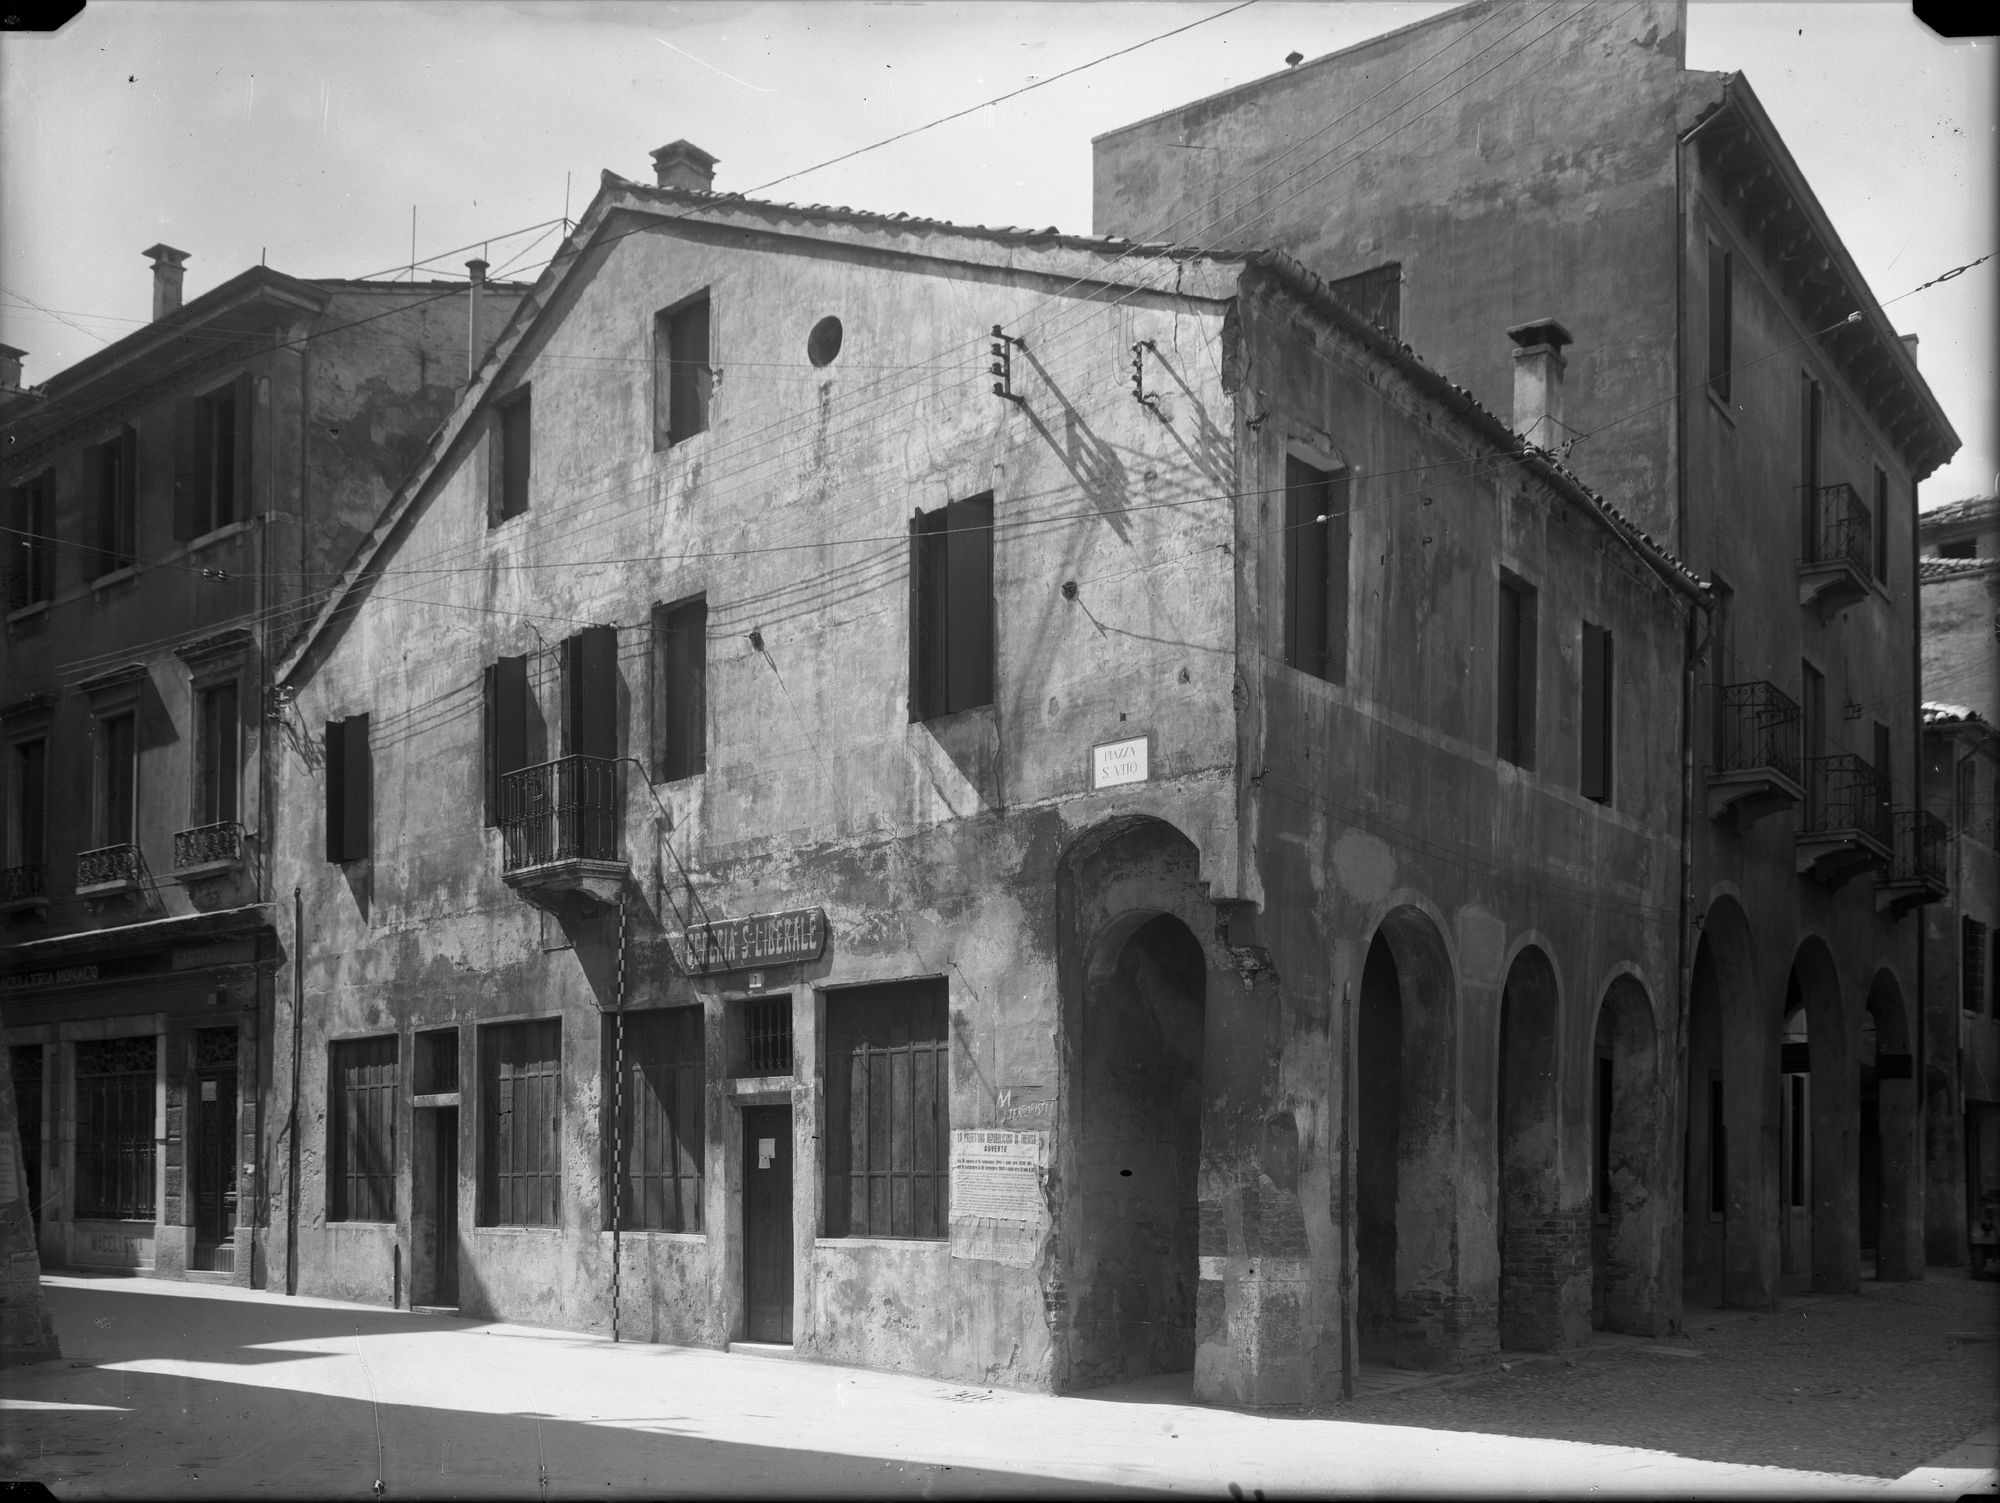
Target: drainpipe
x=292, y=1109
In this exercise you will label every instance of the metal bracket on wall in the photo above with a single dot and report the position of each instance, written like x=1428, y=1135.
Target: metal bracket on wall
x=1149, y=401
x=1003, y=348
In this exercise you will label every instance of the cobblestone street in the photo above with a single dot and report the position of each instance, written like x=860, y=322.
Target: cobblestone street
x=1868, y=1384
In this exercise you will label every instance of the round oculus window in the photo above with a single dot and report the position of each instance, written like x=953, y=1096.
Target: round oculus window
x=824, y=341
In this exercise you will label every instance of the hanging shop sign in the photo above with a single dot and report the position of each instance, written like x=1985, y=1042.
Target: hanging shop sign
x=1116, y=763
x=765, y=939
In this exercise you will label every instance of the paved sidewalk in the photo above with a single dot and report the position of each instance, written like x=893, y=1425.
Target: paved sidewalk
x=197, y=1390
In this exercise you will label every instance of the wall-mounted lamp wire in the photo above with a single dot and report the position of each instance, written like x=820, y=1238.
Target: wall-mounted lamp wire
x=756, y=640
x=1069, y=589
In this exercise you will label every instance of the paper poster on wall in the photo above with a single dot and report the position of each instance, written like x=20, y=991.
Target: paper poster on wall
x=998, y=1174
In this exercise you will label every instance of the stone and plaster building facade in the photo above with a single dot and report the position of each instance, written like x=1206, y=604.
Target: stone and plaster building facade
x=175, y=504
x=999, y=804
x=1960, y=571
x=1734, y=387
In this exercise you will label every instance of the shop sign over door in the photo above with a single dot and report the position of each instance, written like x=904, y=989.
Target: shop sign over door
x=764, y=939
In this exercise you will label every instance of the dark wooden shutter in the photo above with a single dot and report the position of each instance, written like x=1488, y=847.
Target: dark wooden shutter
x=1719, y=297
x=590, y=692
x=888, y=1137
x=680, y=690
x=926, y=591
x=190, y=505
x=969, y=644
x=505, y=699
x=516, y=454
x=336, y=790
x=244, y=393
x=1307, y=499
x=691, y=378
x=1338, y=543
x=1809, y=432
x=1595, y=782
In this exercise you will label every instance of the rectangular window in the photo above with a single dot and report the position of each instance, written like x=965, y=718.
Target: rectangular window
x=1809, y=447
x=1881, y=526
x=349, y=789
x=1721, y=320
x=1517, y=671
x=115, y=1092
x=28, y=803
x=1599, y=714
x=951, y=608
x=520, y=1114
x=115, y=467
x=361, y=1130
x=511, y=458
x=590, y=692
x=212, y=459
x=888, y=1111
x=31, y=573
x=682, y=376
x=1375, y=294
x=1718, y=1150
x=507, y=710
x=117, y=804
x=1971, y=965
x=659, y=1116
x=680, y=689
x=217, y=752
x=1316, y=541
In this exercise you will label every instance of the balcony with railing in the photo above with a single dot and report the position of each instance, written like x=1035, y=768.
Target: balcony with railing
x=1915, y=874
x=109, y=870
x=559, y=825
x=1840, y=557
x=208, y=850
x=1844, y=824
x=1756, y=768
x=24, y=889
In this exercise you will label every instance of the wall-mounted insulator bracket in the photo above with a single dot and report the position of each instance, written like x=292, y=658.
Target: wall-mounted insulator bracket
x=1149, y=400
x=1002, y=367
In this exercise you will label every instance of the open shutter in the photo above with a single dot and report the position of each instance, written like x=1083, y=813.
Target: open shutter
x=1596, y=773
x=969, y=585
x=245, y=393
x=336, y=790
x=920, y=616
x=356, y=787
x=590, y=692
x=1337, y=547
x=489, y=698
x=189, y=504
x=128, y=490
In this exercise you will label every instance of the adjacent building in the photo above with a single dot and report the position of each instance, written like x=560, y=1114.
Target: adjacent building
x=1018, y=807
x=176, y=505
x=1736, y=389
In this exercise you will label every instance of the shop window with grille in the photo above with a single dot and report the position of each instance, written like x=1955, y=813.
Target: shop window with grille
x=437, y=1062
x=116, y=1087
x=1972, y=964
x=660, y=1139
x=361, y=1130
x=767, y=1036
x=520, y=1087
x=888, y=1110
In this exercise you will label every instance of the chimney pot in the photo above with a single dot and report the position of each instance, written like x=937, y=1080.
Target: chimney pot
x=478, y=269
x=682, y=164
x=1538, y=381
x=167, y=274
x=1910, y=343
x=10, y=367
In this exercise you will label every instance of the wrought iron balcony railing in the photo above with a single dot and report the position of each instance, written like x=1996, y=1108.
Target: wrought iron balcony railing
x=106, y=865
x=1845, y=792
x=1917, y=854
x=1757, y=725
x=23, y=884
x=1843, y=532
x=208, y=845
x=565, y=810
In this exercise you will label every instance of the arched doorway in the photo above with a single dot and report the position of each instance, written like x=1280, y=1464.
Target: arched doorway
x=1722, y=1252
x=1406, y=1214
x=1627, y=1221
x=1795, y=1140
x=1812, y=990
x=1888, y=1136
x=1534, y=1255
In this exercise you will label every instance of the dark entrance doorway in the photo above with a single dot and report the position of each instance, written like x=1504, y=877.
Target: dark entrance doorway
x=767, y=1223
x=215, y=1168
x=1139, y=1156
x=434, y=1166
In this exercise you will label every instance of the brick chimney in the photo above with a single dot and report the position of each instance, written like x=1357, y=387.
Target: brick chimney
x=167, y=274
x=1538, y=381
x=10, y=367
x=1910, y=344
x=682, y=164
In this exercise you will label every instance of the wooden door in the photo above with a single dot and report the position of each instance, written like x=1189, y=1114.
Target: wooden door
x=767, y=1223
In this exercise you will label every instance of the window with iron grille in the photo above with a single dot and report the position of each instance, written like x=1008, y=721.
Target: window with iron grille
x=520, y=1088
x=1316, y=525
x=951, y=608
x=1972, y=964
x=116, y=1081
x=683, y=378
x=437, y=1062
x=660, y=1136
x=767, y=1036
x=888, y=1110
x=361, y=1130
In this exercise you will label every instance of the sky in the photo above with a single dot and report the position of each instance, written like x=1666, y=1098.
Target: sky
x=306, y=132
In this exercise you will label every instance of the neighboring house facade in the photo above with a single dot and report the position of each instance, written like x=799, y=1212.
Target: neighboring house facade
x=175, y=502
x=1736, y=389
x=1022, y=808
x=1961, y=598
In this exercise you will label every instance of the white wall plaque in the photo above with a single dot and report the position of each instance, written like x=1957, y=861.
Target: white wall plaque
x=1115, y=763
